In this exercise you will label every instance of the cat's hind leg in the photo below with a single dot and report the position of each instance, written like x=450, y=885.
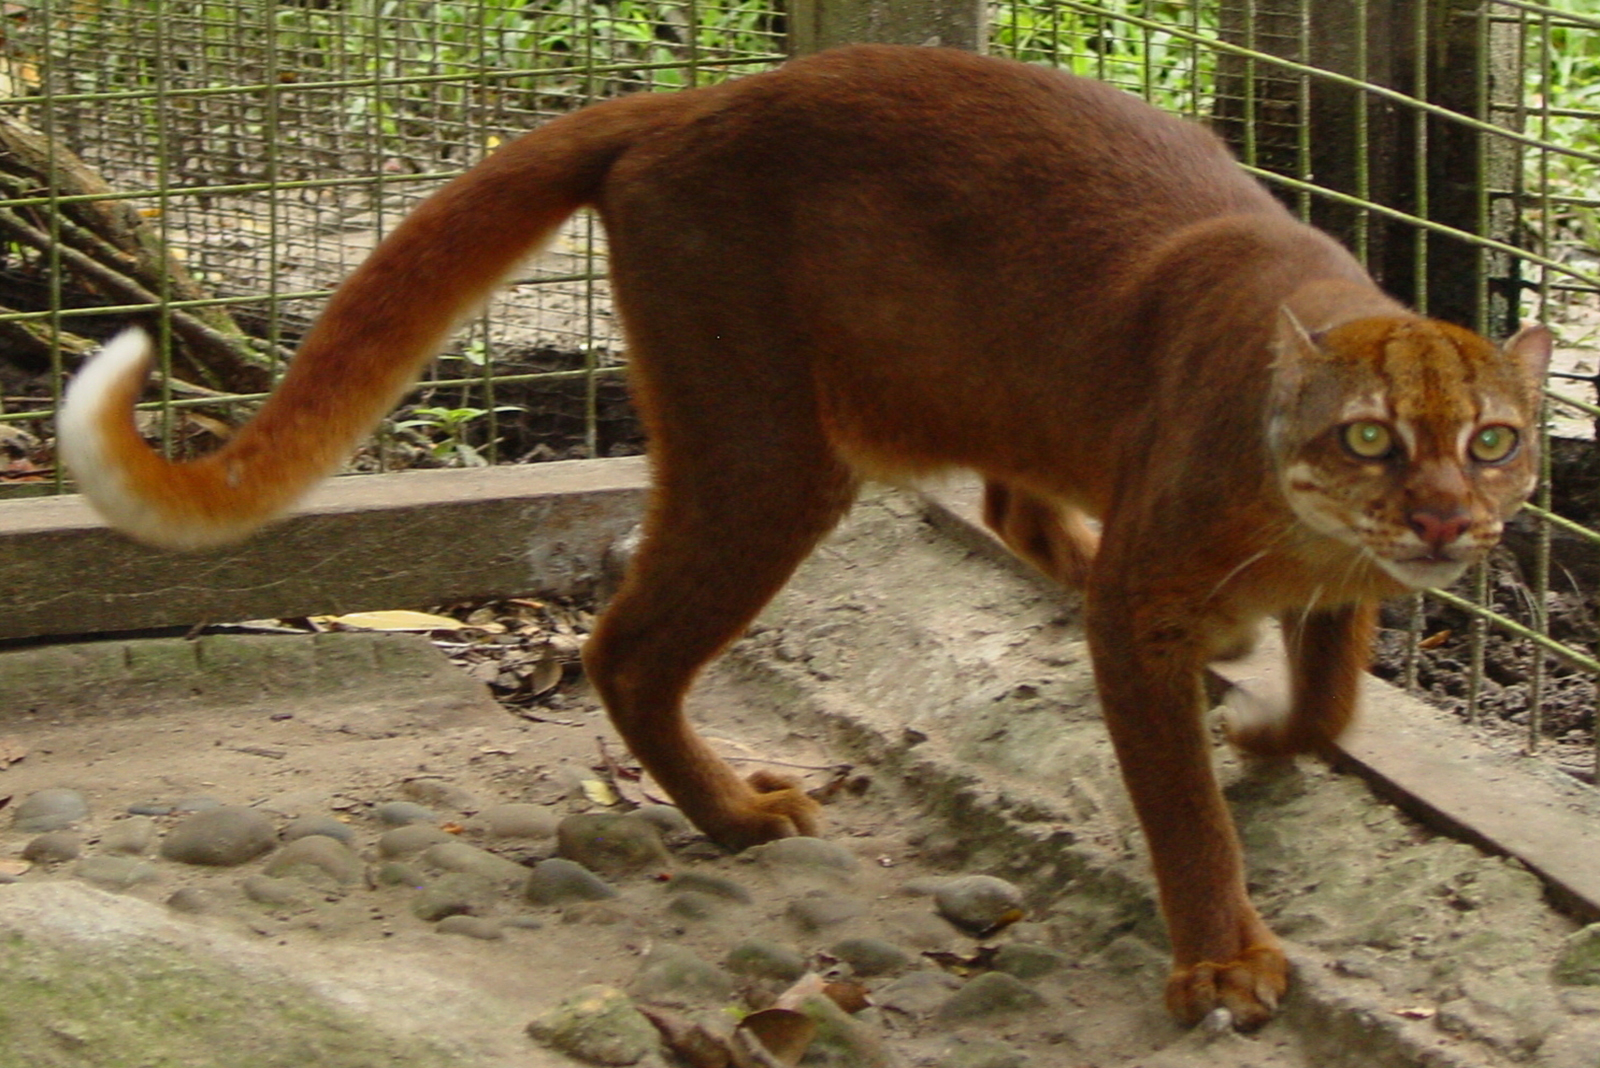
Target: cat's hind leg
x=1053, y=538
x=1328, y=650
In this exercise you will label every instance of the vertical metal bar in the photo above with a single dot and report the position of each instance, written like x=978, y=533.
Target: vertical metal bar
x=1363, y=138
x=53, y=208
x=1541, y=551
x=1250, y=83
x=1303, y=168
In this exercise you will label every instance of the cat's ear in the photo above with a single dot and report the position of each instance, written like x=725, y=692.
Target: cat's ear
x=1293, y=351
x=1530, y=347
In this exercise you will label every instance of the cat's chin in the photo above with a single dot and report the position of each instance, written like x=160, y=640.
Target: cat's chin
x=1424, y=573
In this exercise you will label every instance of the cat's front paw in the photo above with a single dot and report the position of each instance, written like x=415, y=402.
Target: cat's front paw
x=770, y=807
x=1250, y=988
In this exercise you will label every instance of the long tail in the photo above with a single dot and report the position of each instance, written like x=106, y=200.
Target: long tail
x=382, y=325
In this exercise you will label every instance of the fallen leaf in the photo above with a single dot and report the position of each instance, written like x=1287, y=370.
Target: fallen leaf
x=13, y=866
x=1433, y=641
x=1419, y=1012
x=600, y=792
x=395, y=620
x=546, y=675
x=689, y=1040
x=773, y=1038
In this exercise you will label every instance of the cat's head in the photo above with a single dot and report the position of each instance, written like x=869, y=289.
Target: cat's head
x=1408, y=438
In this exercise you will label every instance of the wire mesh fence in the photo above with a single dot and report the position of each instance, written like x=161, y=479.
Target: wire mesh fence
x=215, y=169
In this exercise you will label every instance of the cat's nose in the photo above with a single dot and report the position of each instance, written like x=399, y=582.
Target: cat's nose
x=1439, y=528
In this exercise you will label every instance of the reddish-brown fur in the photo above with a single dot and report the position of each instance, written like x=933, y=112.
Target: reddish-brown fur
x=887, y=261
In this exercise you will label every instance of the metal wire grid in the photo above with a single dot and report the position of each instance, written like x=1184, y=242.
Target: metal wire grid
x=1250, y=66
x=271, y=145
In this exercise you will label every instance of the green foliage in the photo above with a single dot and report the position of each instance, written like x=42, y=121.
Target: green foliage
x=445, y=430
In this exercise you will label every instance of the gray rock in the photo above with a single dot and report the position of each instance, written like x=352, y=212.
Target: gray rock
x=814, y=913
x=403, y=813
x=918, y=993
x=714, y=885
x=51, y=809
x=318, y=854
x=918, y=929
x=842, y=1041
x=990, y=994
x=557, y=881
x=115, y=873
x=1027, y=961
x=191, y=900
x=807, y=856
x=459, y=856
x=1579, y=964
x=668, y=819
x=599, y=1025
x=765, y=960
x=611, y=843
x=871, y=956
x=220, y=837
x=674, y=975
x=694, y=905
x=979, y=903
x=516, y=820
x=403, y=841
x=440, y=794
x=471, y=927
x=274, y=893
x=135, y=835
x=325, y=826
x=455, y=894
x=394, y=873
x=53, y=847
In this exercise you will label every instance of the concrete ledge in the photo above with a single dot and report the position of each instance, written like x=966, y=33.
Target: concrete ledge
x=376, y=541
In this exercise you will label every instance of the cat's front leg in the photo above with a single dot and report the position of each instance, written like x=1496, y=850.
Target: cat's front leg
x=1328, y=650
x=1147, y=659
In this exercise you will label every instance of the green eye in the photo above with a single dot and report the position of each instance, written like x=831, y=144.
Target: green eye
x=1369, y=441
x=1493, y=444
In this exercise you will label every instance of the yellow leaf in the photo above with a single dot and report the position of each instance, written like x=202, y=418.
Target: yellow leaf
x=600, y=792
x=396, y=620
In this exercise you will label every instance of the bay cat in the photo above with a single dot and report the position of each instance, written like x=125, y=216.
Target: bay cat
x=885, y=262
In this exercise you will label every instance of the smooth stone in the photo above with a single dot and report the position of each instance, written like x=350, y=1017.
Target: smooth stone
x=515, y=820
x=190, y=899
x=557, y=881
x=455, y=894
x=815, y=913
x=115, y=873
x=807, y=856
x=598, y=1025
x=714, y=885
x=979, y=903
x=459, y=856
x=325, y=826
x=440, y=794
x=841, y=1040
x=471, y=927
x=220, y=837
x=53, y=847
x=51, y=809
x=320, y=854
x=1027, y=961
x=694, y=905
x=135, y=835
x=918, y=929
x=668, y=819
x=395, y=873
x=917, y=993
x=267, y=890
x=990, y=994
x=980, y=1052
x=403, y=841
x=403, y=813
x=611, y=843
x=674, y=975
x=766, y=960
x=1579, y=963
x=871, y=956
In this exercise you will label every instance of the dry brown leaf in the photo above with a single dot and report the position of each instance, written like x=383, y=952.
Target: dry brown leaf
x=1433, y=641
x=773, y=1038
x=689, y=1040
x=546, y=674
x=402, y=620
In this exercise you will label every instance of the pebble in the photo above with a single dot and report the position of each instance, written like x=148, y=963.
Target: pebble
x=611, y=843
x=461, y=857
x=918, y=930
x=440, y=794
x=470, y=926
x=917, y=993
x=557, y=881
x=674, y=975
x=668, y=819
x=694, y=905
x=53, y=847
x=403, y=841
x=220, y=837
x=990, y=994
x=816, y=912
x=190, y=899
x=598, y=1025
x=395, y=873
x=135, y=835
x=267, y=890
x=115, y=873
x=841, y=1040
x=326, y=826
x=871, y=956
x=455, y=894
x=765, y=960
x=714, y=885
x=317, y=855
x=807, y=856
x=979, y=903
x=1027, y=961
x=517, y=820
x=51, y=809
x=403, y=813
